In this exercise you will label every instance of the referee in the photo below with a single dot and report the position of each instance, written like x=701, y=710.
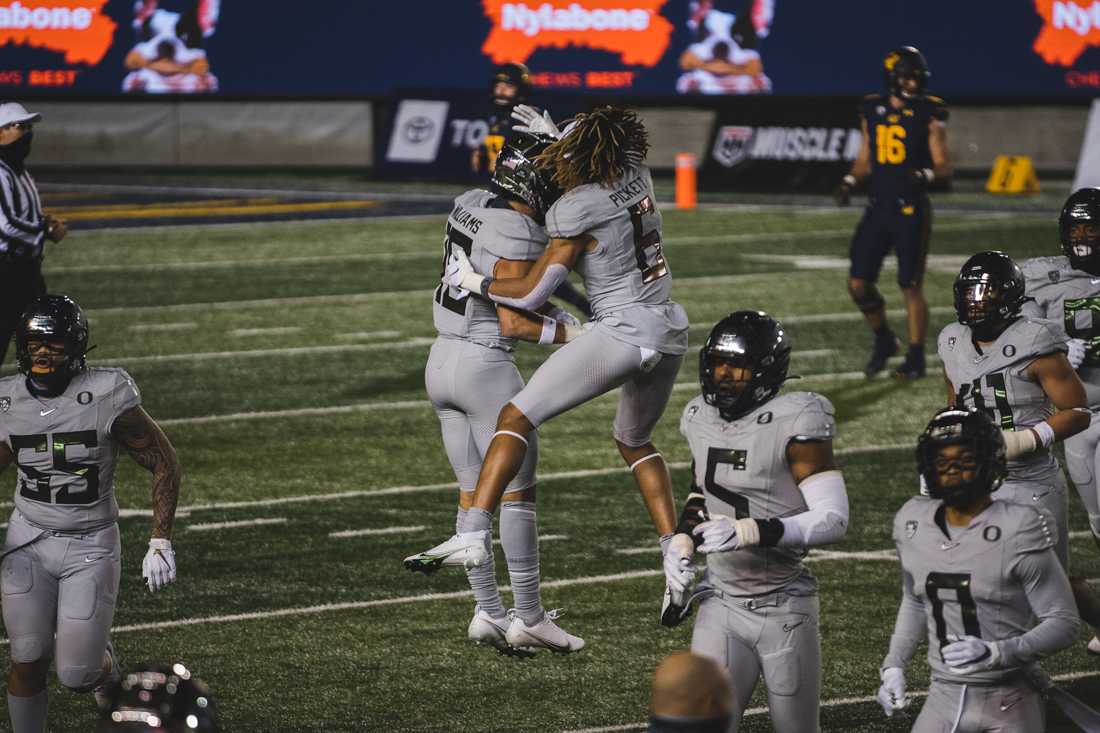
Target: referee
x=24, y=229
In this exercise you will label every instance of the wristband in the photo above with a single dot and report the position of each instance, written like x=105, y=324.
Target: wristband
x=485, y=283
x=549, y=331
x=1045, y=433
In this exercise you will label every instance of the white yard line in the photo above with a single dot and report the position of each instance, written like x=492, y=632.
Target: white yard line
x=831, y=703
x=378, y=531
x=158, y=327
x=354, y=335
x=447, y=485
x=413, y=343
x=209, y=526
x=272, y=331
x=302, y=412
x=815, y=555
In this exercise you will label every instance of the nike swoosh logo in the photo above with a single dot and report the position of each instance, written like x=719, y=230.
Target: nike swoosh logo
x=791, y=627
x=89, y=558
x=43, y=413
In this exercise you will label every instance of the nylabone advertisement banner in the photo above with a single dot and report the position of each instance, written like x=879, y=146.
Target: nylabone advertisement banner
x=651, y=48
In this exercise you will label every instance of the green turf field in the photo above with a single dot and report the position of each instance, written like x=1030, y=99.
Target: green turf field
x=286, y=363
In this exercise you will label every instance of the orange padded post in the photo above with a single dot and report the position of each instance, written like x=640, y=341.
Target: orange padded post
x=685, y=180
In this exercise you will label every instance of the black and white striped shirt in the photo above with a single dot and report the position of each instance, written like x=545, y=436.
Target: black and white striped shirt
x=22, y=225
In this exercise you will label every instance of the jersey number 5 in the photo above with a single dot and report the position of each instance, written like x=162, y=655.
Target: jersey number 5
x=443, y=296
x=960, y=583
x=737, y=459
x=35, y=485
x=647, y=245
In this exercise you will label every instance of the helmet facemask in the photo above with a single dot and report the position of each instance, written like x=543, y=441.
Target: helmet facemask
x=961, y=457
x=58, y=323
x=754, y=343
x=1081, y=241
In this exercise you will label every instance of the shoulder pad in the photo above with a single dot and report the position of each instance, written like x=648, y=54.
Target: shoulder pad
x=1034, y=530
x=951, y=334
x=475, y=197
x=812, y=416
x=570, y=216
x=1045, y=336
x=512, y=236
x=115, y=384
x=911, y=515
x=937, y=108
x=691, y=410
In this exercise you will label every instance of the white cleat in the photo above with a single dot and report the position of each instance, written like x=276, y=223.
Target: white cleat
x=1094, y=646
x=468, y=549
x=102, y=699
x=484, y=629
x=544, y=635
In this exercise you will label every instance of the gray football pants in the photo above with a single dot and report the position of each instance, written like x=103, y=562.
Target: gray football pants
x=955, y=708
x=1081, y=461
x=468, y=385
x=1050, y=495
x=775, y=635
x=64, y=584
x=596, y=363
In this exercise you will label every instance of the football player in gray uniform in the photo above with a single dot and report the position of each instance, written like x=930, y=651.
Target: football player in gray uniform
x=1014, y=368
x=471, y=373
x=974, y=572
x=607, y=226
x=764, y=480
x=1066, y=290
x=62, y=424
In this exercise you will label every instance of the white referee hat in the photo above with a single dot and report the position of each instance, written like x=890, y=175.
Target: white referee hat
x=12, y=112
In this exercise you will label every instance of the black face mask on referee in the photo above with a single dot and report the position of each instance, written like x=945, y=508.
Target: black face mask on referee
x=14, y=153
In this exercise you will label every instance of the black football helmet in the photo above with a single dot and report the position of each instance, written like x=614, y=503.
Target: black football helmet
x=158, y=698
x=519, y=177
x=975, y=430
x=750, y=340
x=516, y=74
x=53, y=318
x=989, y=292
x=902, y=63
x=1082, y=247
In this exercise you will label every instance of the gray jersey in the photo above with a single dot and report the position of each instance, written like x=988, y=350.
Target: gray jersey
x=995, y=380
x=626, y=276
x=488, y=234
x=741, y=467
x=1071, y=299
x=984, y=580
x=63, y=447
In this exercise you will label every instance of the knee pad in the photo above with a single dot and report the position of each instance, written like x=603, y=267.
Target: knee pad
x=79, y=679
x=30, y=648
x=868, y=299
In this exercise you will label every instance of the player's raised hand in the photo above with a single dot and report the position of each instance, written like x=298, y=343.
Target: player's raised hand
x=531, y=121
x=159, y=567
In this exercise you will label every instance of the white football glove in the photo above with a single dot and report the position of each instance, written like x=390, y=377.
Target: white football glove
x=679, y=572
x=562, y=316
x=723, y=534
x=459, y=273
x=1076, y=353
x=970, y=654
x=531, y=121
x=158, y=569
x=891, y=694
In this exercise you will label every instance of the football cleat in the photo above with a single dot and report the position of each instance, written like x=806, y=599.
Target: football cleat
x=883, y=350
x=484, y=629
x=101, y=692
x=1094, y=646
x=674, y=608
x=468, y=549
x=912, y=368
x=544, y=635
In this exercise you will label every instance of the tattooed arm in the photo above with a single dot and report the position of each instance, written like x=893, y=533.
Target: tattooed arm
x=146, y=442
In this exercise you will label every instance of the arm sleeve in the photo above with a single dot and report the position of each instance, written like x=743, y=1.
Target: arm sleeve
x=825, y=520
x=1051, y=599
x=552, y=277
x=909, y=626
x=124, y=396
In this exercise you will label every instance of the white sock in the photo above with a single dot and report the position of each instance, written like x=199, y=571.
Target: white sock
x=28, y=714
x=519, y=536
x=483, y=578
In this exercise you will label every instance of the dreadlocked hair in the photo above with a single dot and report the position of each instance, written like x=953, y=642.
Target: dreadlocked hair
x=598, y=148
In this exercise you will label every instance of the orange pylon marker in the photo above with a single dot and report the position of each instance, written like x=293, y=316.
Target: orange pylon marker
x=685, y=180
